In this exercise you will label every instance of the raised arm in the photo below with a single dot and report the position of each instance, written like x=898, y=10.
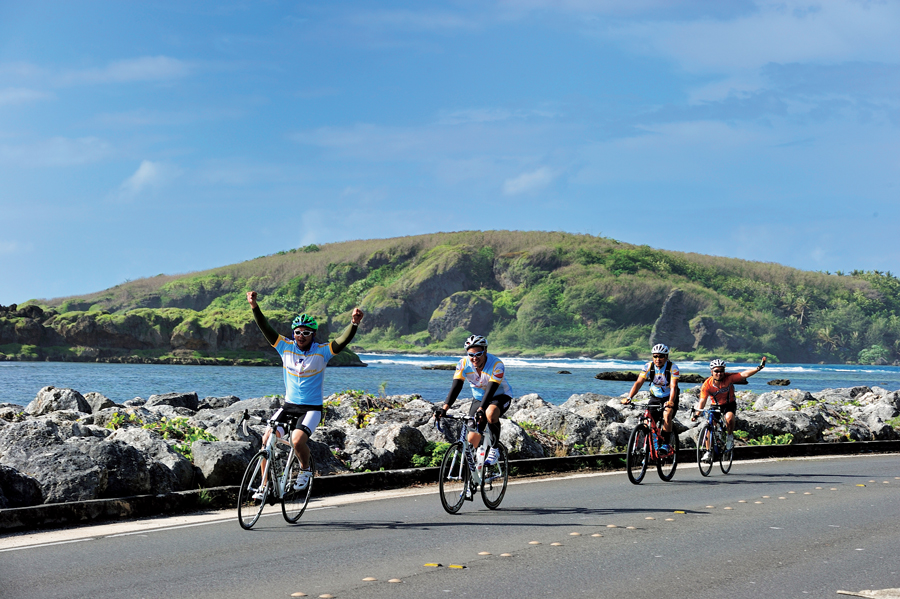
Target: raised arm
x=268, y=332
x=751, y=371
x=344, y=339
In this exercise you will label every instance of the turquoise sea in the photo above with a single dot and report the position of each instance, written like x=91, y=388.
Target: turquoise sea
x=401, y=374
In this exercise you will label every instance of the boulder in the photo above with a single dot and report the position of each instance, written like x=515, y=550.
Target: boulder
x=804, y=428
x=534, y=410
x=400, y=441
x=672, y=326
x=17, y=489
x=517, y=441
x=98, y=401
x=221, y=462
x=50, y=399
x=169, y=470
x=785, y=400
x=214, y=403
x=176, y=400
x=463, y=309
x=125, y=470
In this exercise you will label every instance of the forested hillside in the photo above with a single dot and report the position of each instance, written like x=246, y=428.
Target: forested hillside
x=532, y=293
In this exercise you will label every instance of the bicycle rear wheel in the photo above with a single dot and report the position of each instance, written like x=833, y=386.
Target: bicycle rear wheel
x=705, y=448
x=665, y=465
x=294, y=502
x=637, y=455
x=494, y=479
x=250, y=509
x=454, y=478
x=725, y=459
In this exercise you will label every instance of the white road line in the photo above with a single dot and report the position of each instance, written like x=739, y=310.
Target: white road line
x=48, y=544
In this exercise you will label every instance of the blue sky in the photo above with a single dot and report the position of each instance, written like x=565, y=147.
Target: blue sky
x=169, y=137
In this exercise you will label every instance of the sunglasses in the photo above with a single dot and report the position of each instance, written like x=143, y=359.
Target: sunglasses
x=303, y=333
x=659, y=355
x=476, y=354
x=717, y=371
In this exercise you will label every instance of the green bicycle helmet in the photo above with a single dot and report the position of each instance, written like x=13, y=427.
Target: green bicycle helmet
x=305, y=320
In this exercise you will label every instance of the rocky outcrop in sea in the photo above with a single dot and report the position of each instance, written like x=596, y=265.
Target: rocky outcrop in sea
x=65, y=446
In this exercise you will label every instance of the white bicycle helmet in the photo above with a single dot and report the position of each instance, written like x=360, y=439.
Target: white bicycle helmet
x=717, y=363
x=660, y=348
x=475, y=341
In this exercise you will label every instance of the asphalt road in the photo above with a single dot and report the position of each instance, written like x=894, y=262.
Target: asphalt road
x=785, y=528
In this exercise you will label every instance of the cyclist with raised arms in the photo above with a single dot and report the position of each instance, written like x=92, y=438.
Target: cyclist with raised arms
x=720, y=389
x=663, y=376
x=304, y=362
x=490, y=389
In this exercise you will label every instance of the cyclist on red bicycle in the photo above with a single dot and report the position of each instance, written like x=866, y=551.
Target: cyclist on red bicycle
x=720, y=388
x=663, y=376
x=490, y=389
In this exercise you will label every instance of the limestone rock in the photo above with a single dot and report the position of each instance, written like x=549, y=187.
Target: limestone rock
x=17, y=489
x=176, y=400
x=672, y=326
x=221, y=462
x=463, y=309
x=50, y=399
x=98, y=401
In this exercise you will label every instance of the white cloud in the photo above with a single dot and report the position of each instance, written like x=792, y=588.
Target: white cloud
x=530, y=181
x=56, y=151
x=148, y=68
x=783, y=32
x=148, y=175
x=14, y=95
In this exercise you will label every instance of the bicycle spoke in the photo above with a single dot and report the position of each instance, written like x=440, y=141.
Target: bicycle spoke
x=252, y=495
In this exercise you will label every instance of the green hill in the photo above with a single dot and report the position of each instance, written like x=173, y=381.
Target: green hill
x=532, y=293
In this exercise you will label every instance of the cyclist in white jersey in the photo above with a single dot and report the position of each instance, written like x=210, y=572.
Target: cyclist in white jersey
x=491, y=392
x=304, y=362
x=664, y=392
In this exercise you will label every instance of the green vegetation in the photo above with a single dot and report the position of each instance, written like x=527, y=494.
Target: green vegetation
x=550, y=294
x=785, y=439
x=179, y=430
x=433, y=454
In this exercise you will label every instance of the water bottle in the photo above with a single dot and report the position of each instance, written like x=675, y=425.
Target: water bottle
x=481, y=457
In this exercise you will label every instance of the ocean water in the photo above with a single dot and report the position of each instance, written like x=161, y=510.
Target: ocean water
x=400, y=374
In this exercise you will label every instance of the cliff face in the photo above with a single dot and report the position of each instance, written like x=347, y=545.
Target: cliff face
x=147, y=333
x=531, y=292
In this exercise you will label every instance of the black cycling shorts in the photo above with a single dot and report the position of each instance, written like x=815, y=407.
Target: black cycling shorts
x=731, y=406
x=290, y=413
x=657, y=404
x=501, y=401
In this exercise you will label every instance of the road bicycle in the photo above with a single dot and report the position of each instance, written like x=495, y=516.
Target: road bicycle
x=270, y=477
x=643, y=448
x=711, y=442
x=464, y=473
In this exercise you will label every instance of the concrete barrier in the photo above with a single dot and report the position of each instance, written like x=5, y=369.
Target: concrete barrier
x=57, y=515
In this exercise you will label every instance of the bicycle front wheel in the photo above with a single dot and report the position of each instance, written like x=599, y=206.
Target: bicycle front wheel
x=665, y=465
x=454, y=478
x=294, y=501
x=494, y=479
x=705, y=449
x=725, y=459
x=250, y=508
x=638, y=453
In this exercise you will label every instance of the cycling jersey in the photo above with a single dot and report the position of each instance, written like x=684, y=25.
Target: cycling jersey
x=492, y=372
x=723, y=392
x=304, y=372
x=659, y=386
